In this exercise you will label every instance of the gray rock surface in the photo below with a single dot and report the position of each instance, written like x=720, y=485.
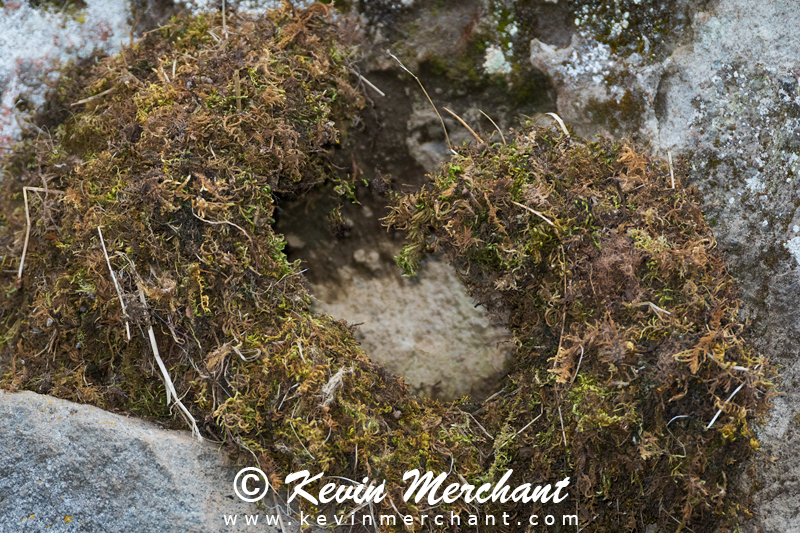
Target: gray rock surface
x=70, y=467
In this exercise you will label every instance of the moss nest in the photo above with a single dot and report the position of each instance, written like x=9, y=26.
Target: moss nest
x=178, y=149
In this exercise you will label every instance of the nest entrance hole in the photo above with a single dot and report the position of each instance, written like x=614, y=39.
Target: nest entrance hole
x=426, y=329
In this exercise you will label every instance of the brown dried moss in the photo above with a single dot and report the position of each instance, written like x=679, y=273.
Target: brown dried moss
x=177, y=149
x=625, y=321
x=624, y=317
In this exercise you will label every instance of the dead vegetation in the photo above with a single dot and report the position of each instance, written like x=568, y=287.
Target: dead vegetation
x=153, y=279
x=631, y=373
x=153, y=282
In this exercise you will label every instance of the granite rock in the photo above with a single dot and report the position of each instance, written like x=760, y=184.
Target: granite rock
x=70, y=467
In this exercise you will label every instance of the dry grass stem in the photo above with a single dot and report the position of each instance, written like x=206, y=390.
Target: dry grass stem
x=480, y=426
x=671, y=171
x=98, y=95
x=560, y=123
x=166, y=78
x=447, y=137
x=237, y=86
x=577, y=368
x=28, y=224
x=726, y=402
x=116, y=284
x=529, y=424
x=466, y=126
x=172, y=394
x=366, y=81
x=655, y=308
x=496, y=127
x=301, y=442
x=535, y=212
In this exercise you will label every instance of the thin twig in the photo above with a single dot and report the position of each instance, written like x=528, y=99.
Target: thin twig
x=477, y=138
x=28, y=223
x=447, y=138
x=116, y=284
x=537, y=213
x=496, y=127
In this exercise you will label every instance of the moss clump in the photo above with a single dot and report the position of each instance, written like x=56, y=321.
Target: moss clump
x=177, y=149
x=624, y=317
x=623, y=314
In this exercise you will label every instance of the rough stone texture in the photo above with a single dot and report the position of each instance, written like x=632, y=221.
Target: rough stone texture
x=426, y=329
x=69, y=467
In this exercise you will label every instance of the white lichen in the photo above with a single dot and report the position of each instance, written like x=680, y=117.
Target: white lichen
x=793, y=246
x=495, y=62
x=36, y=42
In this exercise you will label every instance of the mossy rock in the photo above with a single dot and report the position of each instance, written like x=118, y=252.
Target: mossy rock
x=623, y=314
